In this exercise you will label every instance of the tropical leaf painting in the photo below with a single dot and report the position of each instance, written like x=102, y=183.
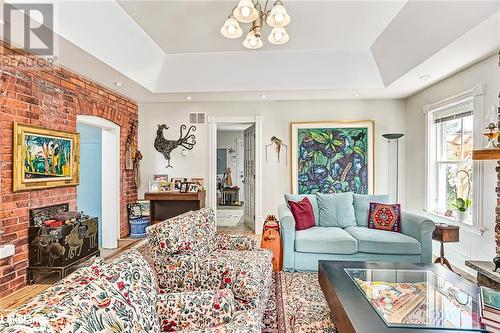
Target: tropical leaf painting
x=46, y=157
x=331, y=160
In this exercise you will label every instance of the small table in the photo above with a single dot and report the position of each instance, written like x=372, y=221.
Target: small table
x=353, y=312
x=445, y=233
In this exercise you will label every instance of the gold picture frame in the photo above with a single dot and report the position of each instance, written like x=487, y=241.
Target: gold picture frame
x=297, y=167
x=44, y=158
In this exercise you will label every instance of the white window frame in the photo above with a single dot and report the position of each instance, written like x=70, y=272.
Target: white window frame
x=476, y=94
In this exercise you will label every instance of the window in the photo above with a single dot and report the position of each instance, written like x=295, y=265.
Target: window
x=451, y=173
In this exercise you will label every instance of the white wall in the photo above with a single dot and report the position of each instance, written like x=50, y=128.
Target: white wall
x=473, y=245
x=389, y=116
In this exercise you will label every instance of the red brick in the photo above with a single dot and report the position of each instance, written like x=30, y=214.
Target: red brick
x=64, y=95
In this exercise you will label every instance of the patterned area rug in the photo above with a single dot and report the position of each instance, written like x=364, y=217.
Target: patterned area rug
x=296, y=303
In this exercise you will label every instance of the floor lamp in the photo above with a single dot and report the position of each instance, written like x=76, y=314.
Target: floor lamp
x=395, y=137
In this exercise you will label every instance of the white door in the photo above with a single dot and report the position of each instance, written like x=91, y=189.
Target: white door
x=239, y=174
x=249, y=175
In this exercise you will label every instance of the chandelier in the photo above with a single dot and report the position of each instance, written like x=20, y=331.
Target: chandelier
x=249, y=12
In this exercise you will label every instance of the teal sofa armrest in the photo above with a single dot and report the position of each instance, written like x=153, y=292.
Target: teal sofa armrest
x=421, y=228
x=287, y=223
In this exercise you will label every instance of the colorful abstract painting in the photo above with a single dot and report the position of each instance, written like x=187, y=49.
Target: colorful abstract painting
x=332, y=157
x=46, y=157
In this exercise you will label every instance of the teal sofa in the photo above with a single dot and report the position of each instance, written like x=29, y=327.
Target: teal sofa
x=353, y=241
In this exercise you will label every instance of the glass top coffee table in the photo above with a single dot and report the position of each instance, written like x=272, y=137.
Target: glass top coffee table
x=394, y=297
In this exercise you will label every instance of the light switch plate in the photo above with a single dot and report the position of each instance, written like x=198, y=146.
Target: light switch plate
x=7, y=251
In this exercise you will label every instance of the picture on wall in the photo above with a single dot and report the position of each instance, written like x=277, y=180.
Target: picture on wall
x=332, y=157
x=45, y=158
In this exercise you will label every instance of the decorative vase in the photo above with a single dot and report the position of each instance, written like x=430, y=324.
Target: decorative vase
x=462, y=216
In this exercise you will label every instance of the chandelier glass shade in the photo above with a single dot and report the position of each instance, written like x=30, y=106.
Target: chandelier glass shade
x=278, y=36
x=252, y=41
x=249, y=12
x=245, y=12
x=231, y=29
x=278, y=17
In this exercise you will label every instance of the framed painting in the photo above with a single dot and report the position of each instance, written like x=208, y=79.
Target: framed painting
x=332, y=157
x=45, y=158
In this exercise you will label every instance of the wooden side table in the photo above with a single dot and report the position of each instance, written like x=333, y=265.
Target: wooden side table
x=445, y=233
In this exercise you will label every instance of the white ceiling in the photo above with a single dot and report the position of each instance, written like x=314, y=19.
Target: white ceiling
x=193, y=26
x=163, y=51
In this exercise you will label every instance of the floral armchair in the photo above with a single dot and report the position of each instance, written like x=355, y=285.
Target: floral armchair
x=189, y=256
x=122, y=296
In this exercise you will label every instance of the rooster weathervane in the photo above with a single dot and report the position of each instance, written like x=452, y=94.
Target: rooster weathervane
x=165, y=146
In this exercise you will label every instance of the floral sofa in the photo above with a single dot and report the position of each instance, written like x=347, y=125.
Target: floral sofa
x=123, y=296
x=189, y=256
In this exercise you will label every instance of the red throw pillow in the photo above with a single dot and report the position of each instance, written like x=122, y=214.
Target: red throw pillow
x=385, y=217
x=303, y=214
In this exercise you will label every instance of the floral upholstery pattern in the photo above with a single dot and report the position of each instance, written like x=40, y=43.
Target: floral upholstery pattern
x=195, y=310
x=237, y=243
x=123, y=296
x=189, y=233
x=231, y=261
x=182, y=273
x=115, y=297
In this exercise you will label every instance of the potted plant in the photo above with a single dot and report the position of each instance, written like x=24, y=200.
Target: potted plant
x=462, y=206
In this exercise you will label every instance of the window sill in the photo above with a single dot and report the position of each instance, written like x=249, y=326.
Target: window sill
x=478, y=230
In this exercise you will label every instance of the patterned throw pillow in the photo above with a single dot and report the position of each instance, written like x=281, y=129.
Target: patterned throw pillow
x=385, y=217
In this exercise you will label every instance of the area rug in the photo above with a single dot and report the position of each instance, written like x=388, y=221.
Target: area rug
x=296, y=303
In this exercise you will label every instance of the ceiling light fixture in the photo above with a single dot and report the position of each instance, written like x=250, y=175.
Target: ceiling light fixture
x=118, y=84
x=262, y=96
x=188, y=98
x=425, y=77
x=249, y=12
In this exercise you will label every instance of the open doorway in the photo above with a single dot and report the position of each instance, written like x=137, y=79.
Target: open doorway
x=98, y=193
x=252, y=169
x=235, y=174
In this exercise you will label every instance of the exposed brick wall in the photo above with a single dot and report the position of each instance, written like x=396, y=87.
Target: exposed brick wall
x=52, y=99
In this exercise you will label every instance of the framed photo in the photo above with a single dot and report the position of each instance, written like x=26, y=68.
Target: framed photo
x=177, y=183
x=45, y=158
x=194, y=188
x=161, y=178
x=166, y=186
x=184, y=187
x=332, y=156
x=199, y=181
x=154, y=186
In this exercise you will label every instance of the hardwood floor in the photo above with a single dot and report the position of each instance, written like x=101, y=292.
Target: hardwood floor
x=21, y=296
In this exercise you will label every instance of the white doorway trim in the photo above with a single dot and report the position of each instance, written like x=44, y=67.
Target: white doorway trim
x=212, y=156
x=110, y=224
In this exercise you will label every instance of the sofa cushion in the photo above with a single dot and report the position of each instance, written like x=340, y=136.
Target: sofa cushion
x=385, y=217
x=332, y=240
x=383, y=242
x=336, y=210
x=362, y=206
x=312, y=199
x=303, y=214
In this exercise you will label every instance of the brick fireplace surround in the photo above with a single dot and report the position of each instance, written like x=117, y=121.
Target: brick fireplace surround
x=52, y=99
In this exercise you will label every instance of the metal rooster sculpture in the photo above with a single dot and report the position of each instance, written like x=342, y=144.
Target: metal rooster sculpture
x=165, y=146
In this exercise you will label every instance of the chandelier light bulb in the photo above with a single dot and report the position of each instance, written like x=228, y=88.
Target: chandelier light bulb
x=231, y=29
x=278, y=36
x=245, y=12
x=278, y=17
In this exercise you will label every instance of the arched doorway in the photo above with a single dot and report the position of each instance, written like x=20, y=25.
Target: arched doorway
x=104, y=139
